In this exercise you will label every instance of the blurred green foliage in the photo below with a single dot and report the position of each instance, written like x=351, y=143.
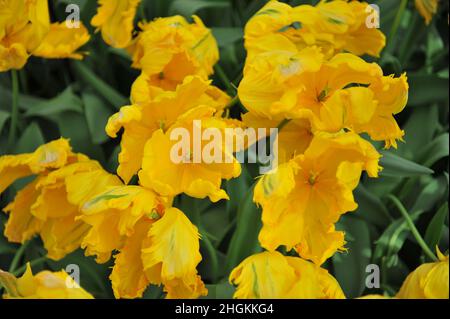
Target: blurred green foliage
x=75, y=99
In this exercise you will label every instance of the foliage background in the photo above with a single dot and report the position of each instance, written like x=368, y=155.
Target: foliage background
x=75, y=99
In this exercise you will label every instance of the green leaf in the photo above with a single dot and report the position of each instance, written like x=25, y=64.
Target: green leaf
x=4, y=116
x=435, y=151
x=97, y=115
x=392, y=240
x=416, y=134
x=227, y=36
x=426, y=89
x=220, y=291
x=396, y=166
x=433, y=192
x=74, y=126
x=189, y=7
x=236, y=189
x=64, y=102
x=350, y=267
x=31, y=139
x=105, y=90
x=5, y=247
x=370, y=207
x=434, y=230
x=245, y=239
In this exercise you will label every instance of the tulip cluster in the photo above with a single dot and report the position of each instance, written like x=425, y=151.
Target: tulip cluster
x=303, y=74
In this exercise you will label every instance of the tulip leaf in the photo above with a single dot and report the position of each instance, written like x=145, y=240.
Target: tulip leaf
x=105, y=90
x=245, y=239
x=350, y=266
x=370, y=207
x=4, y=116
x=64, y=102
x=435, y=151
x=30, y=140
x=74, y=126
x=392, y=240
x=426, y=89
x=433, y=192
x=434, y=231
x=236, y=189
x=97, y=115
x=396, y=166
x=227, y=36
x=222, y=290
x=189, y=7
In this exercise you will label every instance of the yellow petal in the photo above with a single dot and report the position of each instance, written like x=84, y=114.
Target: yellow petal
x=172, y=255
x=63, y=42
x=115, y=20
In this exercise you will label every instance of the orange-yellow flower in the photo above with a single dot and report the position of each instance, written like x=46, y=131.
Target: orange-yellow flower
x=23, y=26
x=115, y=20
x=63, y=42
x=169, y=49
x=304, y=198
x=428, y=281
x=344, y=92
x=44, y=285
x=270, y=275
x=334, y=26
x=154, y=109
x=25, y=30
x=157, y=244
x=42, y=206
x=189, y=173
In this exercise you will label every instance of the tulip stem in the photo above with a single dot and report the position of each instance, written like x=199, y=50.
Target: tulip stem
x=413, y=228
x=18, y=255
x=232, y=103
x=224, y=78
x=397, y=21
x=14, y=107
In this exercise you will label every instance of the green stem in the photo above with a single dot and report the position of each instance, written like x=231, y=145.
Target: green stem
x=232, y=103
x=224, y=78
x=18, y=255
x=33, y=263
x=14, y=107
x=413, y=228
x=110, y=94
x=397, y=21
x=196, y=218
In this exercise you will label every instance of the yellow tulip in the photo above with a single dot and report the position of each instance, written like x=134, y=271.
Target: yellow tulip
x=270, y=275
x=171, y=255
x=112, y=214
x=44, y=285
x=191, y=175
x=303, y=199
x=42, y=207
x=334, y=26
x=23, y=26
x=344, y=92
x=25, y=30
x=63, y=42
x=170, y=49
x=151, y=112
x=428, y=281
